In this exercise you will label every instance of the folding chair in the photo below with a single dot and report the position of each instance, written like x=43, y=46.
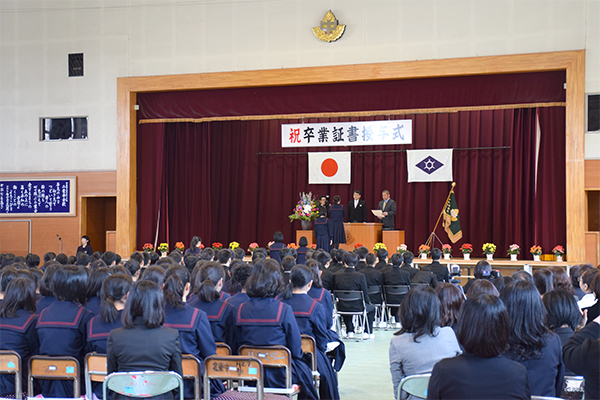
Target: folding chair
x=393, y=295
x=191, y=367
x=95, y=371
x=415, y=385
x=573, y=387
x=309, y=346
x=545, y=398
x=376, y=297
x=10, y=363
x=352, y=299
x=143, y=384
x=273, y=357
x=54, y=368
x=223, y=349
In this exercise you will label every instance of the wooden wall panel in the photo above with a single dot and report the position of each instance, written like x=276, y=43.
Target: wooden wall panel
x=592, y=247
x=592, y=174
x=14, y=237
x=45, y=229
x=593, y=222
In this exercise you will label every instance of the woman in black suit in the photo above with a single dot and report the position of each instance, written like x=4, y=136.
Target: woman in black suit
x=143, y=343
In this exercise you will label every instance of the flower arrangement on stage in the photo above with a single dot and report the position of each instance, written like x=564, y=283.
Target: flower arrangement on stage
x=293, y=246
x=217, y=246
x=536, y=250
x=424, y=249
x=446, y=249
x=180, y=246
x=200, y=246
x=163, y=247
x=466, y=248
x=402, y=249
x=252, y=246
x=488, y=248
x=306, y=209
x=514, y=249
x=314, y=246
x=378, y=246
x=558, y=251
x=148, y=247
x=233, y=245
x=358, y=245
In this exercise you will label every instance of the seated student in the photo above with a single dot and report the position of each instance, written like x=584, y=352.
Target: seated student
x=318, y=292
x=374, y=277
x=421, y=342
x=530, y=342
x=95, y=280
x=560, y=278
x=195, y=246
x=585, y=283
x=407, y=264
x=482, y=270
x=109, y=258
x=480, y=372
x=143, y=343
x=46, y=287
x=440, y=271
x=83, y=259
x=287, y=263
x=362, y=258
x=395, y=275
x=594, y=310
x=32, y=260
x=543, y=281
x=382, y=259
x=133, y=267
x=113, y=294
x=240, y=273
x=522, y=275
x=574, y=274
x=154, y=274
x=482, y=286
x=17, y=329
x=581, y=354
x=301, y=251
x=195, y=334
x=451, y=299
x=324, y=260
x=7, y=274
x=424, y=277
x=311, y=319
x=336, y=263
x=232, y=286
x=224, y=256
x=276, y=245
x=207, y=298
x=264, y=321
x=61, y=325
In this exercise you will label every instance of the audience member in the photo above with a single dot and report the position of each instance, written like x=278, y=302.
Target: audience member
x=94, y=286
x=408, y=258
x=560, y=279
x=482, y=286
x=32, y=260
x=240, y=273
x=451, y=298
x=581, y=354
x=482, y=270
x=276, y=245
x=395, y=275
x=195, y=246
x=301, y=251
x=382, y=258
x=585, y=283
x=318, y=292
x=522, y=275
x=440, y=271
x=154, y=274
x=594, y=310
x=543, y=280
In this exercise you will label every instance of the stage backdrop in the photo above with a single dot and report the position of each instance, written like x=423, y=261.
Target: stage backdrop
x=213, y=179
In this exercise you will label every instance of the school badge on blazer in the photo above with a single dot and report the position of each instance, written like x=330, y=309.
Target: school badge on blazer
x=329, y=30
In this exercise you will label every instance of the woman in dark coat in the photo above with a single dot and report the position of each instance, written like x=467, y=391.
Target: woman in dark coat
x=338, y=214
x=85, y=246
x=276, y=245
x=264, y=321
x=323, y=233
x=143, y=343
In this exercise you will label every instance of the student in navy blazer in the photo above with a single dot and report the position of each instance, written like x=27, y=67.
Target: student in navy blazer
x=276, y=245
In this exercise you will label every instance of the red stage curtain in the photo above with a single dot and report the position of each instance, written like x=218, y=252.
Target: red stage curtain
x=220, y=187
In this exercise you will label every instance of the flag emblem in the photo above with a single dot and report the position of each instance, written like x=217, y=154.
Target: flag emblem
x=329, y=167
x=452, y=219
x=429, y=165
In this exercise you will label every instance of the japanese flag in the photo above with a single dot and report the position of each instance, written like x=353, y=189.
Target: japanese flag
x=331, y=167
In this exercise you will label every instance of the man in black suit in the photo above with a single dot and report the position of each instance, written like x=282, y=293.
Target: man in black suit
x=395, y=275
x=374, y=277
x=349, y=279
x=357, y=209
x=440, y=271
x=362, y=258
x=407, y=265
x=424, y=277
x=388, y=206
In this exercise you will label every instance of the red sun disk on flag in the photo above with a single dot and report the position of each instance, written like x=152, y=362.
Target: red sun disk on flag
x=329, y=167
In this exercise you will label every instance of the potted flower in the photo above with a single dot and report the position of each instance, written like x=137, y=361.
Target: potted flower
x=466, y=249
x=252, y=246
x=513, y=251
x=402, y=249
x=536, y=251
x=180, y=246
x=378, y=246
x=314, y=246
x=163, y=248
x=358, y=245
x=233, y=245
x=446, y=251
x=424, y=251
x=489, y=249
x=148, y=247
x=217, y=246
x=306, y=210
x=293, y=246
x=559, y=252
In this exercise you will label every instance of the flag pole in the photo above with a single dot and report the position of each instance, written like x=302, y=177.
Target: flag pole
x=432, y=234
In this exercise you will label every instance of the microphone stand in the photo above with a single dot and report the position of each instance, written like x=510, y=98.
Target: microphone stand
x=60, y=242
x=432, y=235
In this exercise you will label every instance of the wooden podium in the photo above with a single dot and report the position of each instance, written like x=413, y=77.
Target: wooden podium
x=367, y=233
x=392, y=239
x=309, y=235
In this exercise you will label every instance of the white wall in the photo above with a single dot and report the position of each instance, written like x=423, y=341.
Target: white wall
x=156, y=37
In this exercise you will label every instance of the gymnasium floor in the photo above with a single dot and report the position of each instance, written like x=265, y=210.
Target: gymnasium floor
x=366, y=372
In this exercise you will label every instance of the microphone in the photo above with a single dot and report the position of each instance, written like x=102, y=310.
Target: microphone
x=58, y=236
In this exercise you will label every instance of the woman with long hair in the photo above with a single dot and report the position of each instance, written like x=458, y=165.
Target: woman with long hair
x=143, y=343
x=451, y=299
x=96, y=278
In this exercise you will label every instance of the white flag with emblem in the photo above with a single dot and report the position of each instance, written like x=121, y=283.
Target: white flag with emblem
x=329, y=167
x=433, y=165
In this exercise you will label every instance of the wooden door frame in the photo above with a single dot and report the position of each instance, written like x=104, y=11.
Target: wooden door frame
x=573, y=62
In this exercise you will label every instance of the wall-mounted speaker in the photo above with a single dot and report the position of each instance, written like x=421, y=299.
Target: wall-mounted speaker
x=76, y=64
x=593, y=113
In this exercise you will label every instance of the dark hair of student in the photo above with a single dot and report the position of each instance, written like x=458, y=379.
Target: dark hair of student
x=588, y=276
x=86, y=237
x=300, y=276
x=436, y=254
x=241, y=272
x=480, y=267
x=323, y=258
x=194, y=242
x=95, y=281
x=265, y=281
x=303, y=241
x=287, y=263
x=370, y=259
x=362, y=252
x=451, y=298
x=338, y=256
x=37, y=275
x=72, y=260
x=97, y=264
x=419, y=312
x=46, y=282
x=19, y=294
x=32, y=260
x=114, y=288
x=522, y=275
x=154, y=274
x=7, y=275
x=119, y=269
x=176, y=256
x=350, y=259
x=527, y=316
x=190, y=261
x=562, y=309
x=109, y=257
x=154, y=257
x=309, y=253
x=382, y=254
x=49, y=256
x=194, y=274
x=482, y=286
x=397, y=259
x=132, y=266
x=165, y=263
x=278, y=237
x=408, y=257
x=224, y=255
x=337, y=199
x=146, y=256
x=284, y=252
x=239, y=253
x=69, y=283
x=62, y=258
x=145, y=300
x=83, y=259
x=137, y=256
x=97, y=255
x=542, y=278
x=210, y=252
x=257, y=255
x=560, y=279
x=176, y=278
x=501, y=281
x=595, y=286
x=315, y=271
x=206, y=281
x=576, y=271
x=483, y=326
